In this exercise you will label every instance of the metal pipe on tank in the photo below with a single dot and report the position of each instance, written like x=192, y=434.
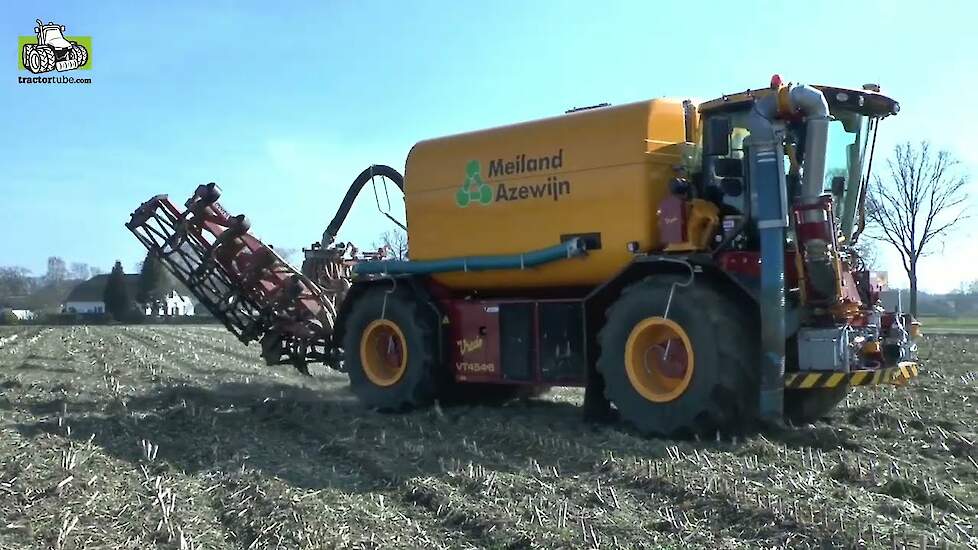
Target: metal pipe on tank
x=570, y=248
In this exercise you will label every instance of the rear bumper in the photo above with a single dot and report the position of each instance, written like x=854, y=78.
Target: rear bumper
x=807, y=380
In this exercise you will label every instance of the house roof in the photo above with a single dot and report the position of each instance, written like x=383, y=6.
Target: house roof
x=93, y=289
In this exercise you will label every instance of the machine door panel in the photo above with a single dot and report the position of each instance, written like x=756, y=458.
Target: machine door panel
x=517, y=341
x=563, y=356
x=475, y=341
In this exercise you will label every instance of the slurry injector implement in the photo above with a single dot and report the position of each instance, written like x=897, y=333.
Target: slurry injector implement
x=690, y=264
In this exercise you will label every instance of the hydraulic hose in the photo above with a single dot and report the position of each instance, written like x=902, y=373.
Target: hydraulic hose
x=373, y=170
x=568, y=249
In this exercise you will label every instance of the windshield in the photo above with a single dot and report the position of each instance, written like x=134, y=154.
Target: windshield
x=845, y=158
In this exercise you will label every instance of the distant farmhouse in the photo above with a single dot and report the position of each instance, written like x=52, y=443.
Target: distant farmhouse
x=87, y=298
x=20, y=314
x=173, y=304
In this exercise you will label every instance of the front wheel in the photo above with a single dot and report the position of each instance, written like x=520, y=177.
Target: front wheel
x=25, y=55
x=80, y=53
x=390, y=350
x=691, y=373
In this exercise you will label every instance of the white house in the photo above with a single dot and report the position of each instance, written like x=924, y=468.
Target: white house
x=87, y=298
x=173, y=304
x=20, y=314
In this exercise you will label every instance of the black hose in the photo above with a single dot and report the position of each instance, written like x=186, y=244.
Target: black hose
x=373, y=170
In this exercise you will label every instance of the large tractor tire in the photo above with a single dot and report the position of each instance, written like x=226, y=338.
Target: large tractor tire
x=390, y=349
x=25, y=55
x=80, y=53
x=693, y=373
x=40, y=60
x=808, y=406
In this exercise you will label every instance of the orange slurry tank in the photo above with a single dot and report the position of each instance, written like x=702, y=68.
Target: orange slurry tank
x=599, y=173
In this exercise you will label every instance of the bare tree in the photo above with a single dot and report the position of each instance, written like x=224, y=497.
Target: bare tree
x=57, y=270
x=14, y=281
x=868, y=254
x=923, y=199
x=79, y=270
x=967, y=288
x=395, y=243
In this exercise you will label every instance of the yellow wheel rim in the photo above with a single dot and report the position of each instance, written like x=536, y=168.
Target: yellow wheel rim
x=659, y=359
x=383, y=352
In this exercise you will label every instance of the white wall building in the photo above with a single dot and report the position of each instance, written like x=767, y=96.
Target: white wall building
x=173, y=304
x=20, y=314
x=87, y=298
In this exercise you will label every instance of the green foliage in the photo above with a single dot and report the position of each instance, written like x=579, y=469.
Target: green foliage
x=116, y=297
x=8, y=318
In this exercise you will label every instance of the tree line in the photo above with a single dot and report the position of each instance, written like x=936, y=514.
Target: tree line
x=46, y=294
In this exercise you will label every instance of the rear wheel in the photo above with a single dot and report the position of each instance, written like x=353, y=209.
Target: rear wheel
x=80, y=53
x=390, y=350
x=808, y=406
x=694, y=372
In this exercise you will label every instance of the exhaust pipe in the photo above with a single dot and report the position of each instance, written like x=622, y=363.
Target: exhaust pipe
x=811, y=103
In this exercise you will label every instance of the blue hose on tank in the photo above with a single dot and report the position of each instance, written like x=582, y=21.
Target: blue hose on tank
x=568, y=249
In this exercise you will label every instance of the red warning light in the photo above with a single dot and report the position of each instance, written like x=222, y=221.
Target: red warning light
x=776, y=81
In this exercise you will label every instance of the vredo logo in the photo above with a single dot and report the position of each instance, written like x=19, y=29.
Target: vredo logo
x=49, y=49
x=476, y=190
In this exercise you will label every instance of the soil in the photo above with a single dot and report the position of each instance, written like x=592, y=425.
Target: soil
x=180, y=437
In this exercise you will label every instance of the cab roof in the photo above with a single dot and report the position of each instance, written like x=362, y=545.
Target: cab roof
x=865, y=102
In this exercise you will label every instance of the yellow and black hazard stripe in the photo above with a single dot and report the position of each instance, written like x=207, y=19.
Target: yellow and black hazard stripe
x=891, y=375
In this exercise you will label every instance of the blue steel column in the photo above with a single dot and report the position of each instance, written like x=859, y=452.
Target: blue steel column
x=768, y=182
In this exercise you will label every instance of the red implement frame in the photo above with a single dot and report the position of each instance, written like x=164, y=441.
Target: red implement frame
x=243, y=282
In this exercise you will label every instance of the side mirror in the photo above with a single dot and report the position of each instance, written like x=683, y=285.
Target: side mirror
x=716, y=138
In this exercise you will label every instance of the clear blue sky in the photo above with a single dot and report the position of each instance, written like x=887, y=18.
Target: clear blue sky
x=283, y=105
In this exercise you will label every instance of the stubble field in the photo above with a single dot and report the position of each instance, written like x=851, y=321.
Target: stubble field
x=179, y=437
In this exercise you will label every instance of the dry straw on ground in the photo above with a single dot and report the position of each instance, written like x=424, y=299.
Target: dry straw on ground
x=178, y=437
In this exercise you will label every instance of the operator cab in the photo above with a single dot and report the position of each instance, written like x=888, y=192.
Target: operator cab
x=855, y=116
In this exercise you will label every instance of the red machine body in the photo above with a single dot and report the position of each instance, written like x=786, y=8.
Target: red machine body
x=242, y=281
x=534, y=342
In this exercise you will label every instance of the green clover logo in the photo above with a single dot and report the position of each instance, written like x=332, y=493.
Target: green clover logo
x=473, y=188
